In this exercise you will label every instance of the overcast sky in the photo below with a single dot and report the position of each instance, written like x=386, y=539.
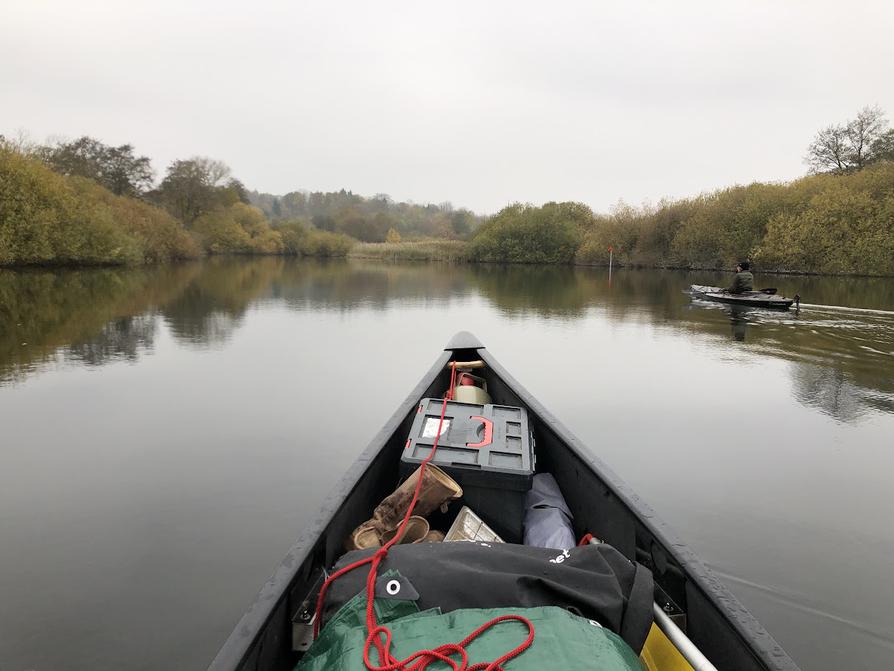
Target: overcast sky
x=479, y=103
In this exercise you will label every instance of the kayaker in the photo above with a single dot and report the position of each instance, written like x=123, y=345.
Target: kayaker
x=744, y=280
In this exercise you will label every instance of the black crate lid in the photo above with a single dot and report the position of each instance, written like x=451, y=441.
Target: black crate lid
x=492, y=439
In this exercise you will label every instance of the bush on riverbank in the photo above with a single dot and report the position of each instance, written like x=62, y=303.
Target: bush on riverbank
x=46, y=218
x=447, y=251
x=237, y=229
x=301, y=240
x=527, y=234
x=243, y=229
x=159, y=236
x=819, y=224
x=847, y=226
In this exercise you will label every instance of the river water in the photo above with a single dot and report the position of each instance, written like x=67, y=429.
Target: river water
x=167, y=432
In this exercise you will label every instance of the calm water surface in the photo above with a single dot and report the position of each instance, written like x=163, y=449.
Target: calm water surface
x=165, y=434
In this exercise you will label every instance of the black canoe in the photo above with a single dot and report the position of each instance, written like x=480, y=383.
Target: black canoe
x=715, y=622
x=757, y=299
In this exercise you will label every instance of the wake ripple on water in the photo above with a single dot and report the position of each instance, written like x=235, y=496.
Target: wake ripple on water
x=844, y=357
x=795, y=602
x=844, y=308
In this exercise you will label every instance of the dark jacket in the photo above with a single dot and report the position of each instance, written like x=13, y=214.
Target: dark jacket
x=743, y=281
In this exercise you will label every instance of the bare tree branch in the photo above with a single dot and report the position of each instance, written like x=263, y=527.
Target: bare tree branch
x=849, y=147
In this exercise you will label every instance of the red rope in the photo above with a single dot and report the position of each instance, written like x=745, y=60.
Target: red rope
x=380, y=636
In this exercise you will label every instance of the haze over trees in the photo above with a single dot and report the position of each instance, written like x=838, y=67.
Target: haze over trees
x=368, y=219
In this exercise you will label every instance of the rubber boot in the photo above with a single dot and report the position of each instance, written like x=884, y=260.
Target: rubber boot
x=416, y=531
x=363, y=537
x=438, y=490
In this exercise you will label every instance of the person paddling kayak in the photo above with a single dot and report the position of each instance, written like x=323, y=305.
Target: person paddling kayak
x=744, y=280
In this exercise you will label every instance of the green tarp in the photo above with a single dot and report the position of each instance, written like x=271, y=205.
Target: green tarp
x=561, y=640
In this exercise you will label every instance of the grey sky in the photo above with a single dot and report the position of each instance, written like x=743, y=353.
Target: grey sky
x=479, y=103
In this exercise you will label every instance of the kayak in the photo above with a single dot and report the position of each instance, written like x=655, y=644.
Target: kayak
x=696, y=623
x=758, y=299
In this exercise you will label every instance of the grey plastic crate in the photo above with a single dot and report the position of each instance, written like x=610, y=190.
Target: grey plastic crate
x=487, y=449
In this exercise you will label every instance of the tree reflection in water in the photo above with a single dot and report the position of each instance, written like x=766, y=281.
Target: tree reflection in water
x=842, y=362
x=122, y=338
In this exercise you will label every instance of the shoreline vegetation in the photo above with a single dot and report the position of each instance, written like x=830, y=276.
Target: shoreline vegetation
x=443, y=251
x=81, y=203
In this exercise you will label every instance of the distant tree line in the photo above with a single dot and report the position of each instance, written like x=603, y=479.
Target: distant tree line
x=368, y=219
x=82, y=201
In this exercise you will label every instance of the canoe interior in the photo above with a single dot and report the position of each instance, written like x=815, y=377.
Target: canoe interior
x=721, y=627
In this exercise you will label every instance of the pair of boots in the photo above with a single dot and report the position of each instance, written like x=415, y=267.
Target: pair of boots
x=437, y=491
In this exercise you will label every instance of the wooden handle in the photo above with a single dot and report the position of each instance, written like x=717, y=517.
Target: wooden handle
x=468, y=364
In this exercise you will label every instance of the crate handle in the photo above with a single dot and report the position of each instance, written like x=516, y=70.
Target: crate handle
x=488, y=432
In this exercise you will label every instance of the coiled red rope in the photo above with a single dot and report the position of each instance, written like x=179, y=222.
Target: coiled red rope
x=379, y=636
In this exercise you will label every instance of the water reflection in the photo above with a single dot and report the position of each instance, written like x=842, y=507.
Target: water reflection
x=738, y=319
x=124, y=338
x=46, y=313
x=547, y=291
x=842, y=361
x=209, y=307
x=739, y=316
x=342, y=286
x=830, y=390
